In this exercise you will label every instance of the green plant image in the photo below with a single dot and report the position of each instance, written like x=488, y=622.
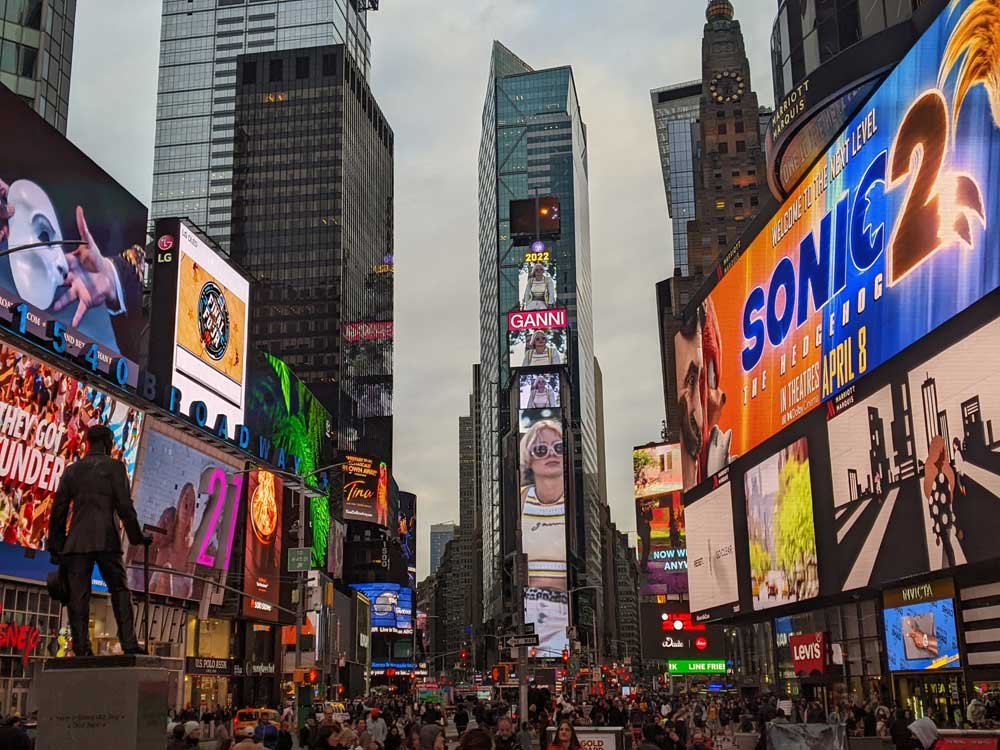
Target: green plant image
x=760, y=561
x=794, y=532
x=641, y=460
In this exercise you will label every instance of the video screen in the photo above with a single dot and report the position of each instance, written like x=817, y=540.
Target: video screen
x=407, y=534
x=922, y=636
x=262, y=569
x=50, y=191
x=335, y=550
x=536, y=284
x=366, y=490
x=45, y=415
x=537, y=339
x=662, y=546
x=541, y=391
x=543, y=532
x=711, y=545
x=535, y=218
x=656, y=469
x=783, y=564
x=392, y=606
x=194, y=497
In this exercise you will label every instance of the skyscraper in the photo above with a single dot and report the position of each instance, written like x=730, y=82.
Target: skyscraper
x=36, y=54
x=534, y=144
x=675, y=114
x=441, y=534
x=312, y=201
x=196, y=102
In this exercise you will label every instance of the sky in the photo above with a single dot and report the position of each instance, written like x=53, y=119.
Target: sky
x=430, y=62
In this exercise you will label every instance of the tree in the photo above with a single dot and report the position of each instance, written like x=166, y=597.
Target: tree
x=794, y=531
x=641, y=460
x=760, y=561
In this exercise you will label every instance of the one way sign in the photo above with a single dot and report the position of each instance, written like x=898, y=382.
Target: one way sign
x=517, y=641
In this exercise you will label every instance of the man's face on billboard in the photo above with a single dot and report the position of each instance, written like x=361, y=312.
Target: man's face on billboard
x=690, y=368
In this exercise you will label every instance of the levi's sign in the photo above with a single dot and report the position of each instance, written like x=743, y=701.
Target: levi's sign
x=808, y=653
x=533, y=320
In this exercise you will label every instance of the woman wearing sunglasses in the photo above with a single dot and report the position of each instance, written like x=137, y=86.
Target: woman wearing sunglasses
x=543, y=531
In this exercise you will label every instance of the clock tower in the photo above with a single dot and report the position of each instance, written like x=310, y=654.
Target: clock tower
x=730, y=182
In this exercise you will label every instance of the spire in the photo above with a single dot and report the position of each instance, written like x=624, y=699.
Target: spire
x=719, y=10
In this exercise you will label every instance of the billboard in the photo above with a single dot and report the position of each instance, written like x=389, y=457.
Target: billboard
x=193, y=493
x=539, y=391
x=366, y=490
x=782, y=532
x=542, y=519
x=392, y=606
x=711, y=542
x=886, y=238
x=659, y=512
x=537, y=338
x=335, y=552
x=407, y=534
x=262, y=566
x=51, y=192
x=536, y=280
x=916, y=480
x=535, y=219
x=656, y=469
x=922, y=636
x=44, y=416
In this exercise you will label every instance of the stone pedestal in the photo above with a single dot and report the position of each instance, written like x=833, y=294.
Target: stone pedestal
x=98, y=702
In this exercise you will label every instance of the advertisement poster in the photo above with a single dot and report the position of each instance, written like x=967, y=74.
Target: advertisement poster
x=886, y=238
x=211, y=328
x=407, y=534
x=659, y=511
x=392, y=606
x=783, y=564
x=538, y=338
x=366, y=496
x=916, y=469
x=540, y=391
x=56, y=193
x=335, y=553
x=44, y=417
x=922, y=636
x=193, y=495
x=543, y=533
x=262, y=569
x=712, y=577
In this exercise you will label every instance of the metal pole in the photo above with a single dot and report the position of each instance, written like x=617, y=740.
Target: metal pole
x=301, y=608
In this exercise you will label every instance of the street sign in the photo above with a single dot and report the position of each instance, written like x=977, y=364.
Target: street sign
x=517, y=641
x=688, y=666
x=299, y=559
x=529, y=628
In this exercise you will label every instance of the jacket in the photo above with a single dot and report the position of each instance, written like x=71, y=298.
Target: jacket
x=98, y=487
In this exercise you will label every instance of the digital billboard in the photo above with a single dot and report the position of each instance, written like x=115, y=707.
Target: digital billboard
x=542, y=520
x=44, y=416
x=885, y=239
x=51, y=192
x=922, y=636
x=392, y=606
x=262, y=566
x=407, y=534
x=366, y=490
x=656, y=469
x=711, y=544
x=540, y=391
x=193, y=493
x=534, y=219
x=537, y=338
x=782, y=533
x=335, y=553
x=659, y=512
x=914, y=462
x=536, y=281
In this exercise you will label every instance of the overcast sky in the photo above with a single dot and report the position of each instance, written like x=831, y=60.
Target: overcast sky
x=430, y=63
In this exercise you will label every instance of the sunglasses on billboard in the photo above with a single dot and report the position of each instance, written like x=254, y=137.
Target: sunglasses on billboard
x=542, y=450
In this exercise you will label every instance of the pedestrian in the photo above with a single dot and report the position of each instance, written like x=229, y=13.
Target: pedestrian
x=565, y=738
x=176, y=741
x=266, y=733
x=223, y=738
x=525, y=740
x=926, y=732
x=476, y=739
x=394, y=740
x=650, y=737
x=461, y=719
x=432, y=737
x=377, y=728
x=505, y=735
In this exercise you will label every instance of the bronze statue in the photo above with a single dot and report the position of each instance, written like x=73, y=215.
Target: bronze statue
x=98, y=488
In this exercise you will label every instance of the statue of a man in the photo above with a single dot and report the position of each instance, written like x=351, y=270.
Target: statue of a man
x=98, y=488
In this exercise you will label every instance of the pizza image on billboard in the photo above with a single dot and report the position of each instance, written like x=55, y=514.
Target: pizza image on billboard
x=916, y=467
x=262, y=569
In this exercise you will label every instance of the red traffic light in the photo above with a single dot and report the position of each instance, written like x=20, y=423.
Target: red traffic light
x=534, y=653
x=565, y=654
x=464, y=654
x=496, y=674
x=313, y=676
x=340, y=689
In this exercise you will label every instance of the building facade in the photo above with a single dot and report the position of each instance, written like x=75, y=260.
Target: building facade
x=313, y=220
x=441, y=534
x=196, y=100
x=36, y=54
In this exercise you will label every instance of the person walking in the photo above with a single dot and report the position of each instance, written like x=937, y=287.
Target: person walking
x=284, y=737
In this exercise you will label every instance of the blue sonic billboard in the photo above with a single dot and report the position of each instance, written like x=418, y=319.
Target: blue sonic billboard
x=892, y=233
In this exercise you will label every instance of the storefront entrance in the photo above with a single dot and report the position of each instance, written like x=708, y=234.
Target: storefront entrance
x=940, y=697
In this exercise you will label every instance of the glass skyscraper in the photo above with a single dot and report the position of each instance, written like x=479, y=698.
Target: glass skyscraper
x=36, y=54
x=199, y=43
x=534, y=143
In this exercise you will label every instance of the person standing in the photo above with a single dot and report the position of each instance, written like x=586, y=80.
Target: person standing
x=98, y=488
x=377, y=727
x=284, y=737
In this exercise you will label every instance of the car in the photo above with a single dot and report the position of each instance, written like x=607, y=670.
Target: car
x=247, y=718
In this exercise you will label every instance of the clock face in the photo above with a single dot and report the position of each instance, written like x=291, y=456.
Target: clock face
x=727, y=86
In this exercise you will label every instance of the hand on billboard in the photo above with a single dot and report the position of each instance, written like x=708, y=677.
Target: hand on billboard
x=91, y=277
x=923, y=640
x=6, y=211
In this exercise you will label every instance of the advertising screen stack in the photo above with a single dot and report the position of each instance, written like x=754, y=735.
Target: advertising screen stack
x=837, y=390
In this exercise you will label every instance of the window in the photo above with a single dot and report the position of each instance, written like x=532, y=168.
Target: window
x=722, y=128
x=301, y=67
x=249, y=72
x=329, y=65
x=276, y=70
x=723, y=148
x=741, y=146
x=739, y=126
x=736, y=173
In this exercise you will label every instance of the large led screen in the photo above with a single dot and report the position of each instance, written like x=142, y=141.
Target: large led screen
x=538, y=338
x=392, y=606
x=366, y=490
x=915, y=466
x=407, y=534
x=712, y=575
x=922, y=636
x=659, y=512
x=193, y=494
x=543, y=532
x=783, y=564
x=536, y=281
x=262, y=565
x=51, y=192
x=211, y=326
x=886, y=238
x=44, y=416
x=540, y=391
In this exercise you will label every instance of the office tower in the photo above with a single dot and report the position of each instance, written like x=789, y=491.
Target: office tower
x=534, y=144
x=36, y=54
x=313, y=222
x=441, y=534
x=675, y=114
x=196, y=101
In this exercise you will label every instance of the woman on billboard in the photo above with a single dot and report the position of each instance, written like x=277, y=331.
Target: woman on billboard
x=540, y=351
x=542, y=394
x=543, y=533
x=540, y=291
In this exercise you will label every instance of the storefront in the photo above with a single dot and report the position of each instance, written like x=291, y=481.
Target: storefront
x=208, y=667
x=29, y=632
x=257, y=678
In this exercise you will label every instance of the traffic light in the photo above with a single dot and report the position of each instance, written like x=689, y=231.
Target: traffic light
x=495, y=674
x=534, y=653
x=313, y=676
x=464, y=654
x=565, y=655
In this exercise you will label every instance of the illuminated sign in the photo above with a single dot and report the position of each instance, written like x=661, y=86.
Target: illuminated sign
x=366, y=495
x=391, y=607
x=373, y=330
x=689, y=666
x=532, y=320
x=884, y=240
